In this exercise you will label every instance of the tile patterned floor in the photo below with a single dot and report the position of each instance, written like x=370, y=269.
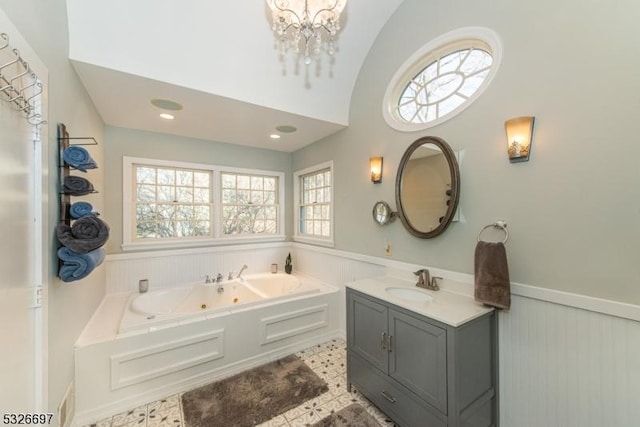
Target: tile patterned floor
x=328, y=360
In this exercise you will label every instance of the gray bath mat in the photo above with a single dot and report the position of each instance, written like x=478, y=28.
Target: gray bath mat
x=254, y=396
x=353, y=415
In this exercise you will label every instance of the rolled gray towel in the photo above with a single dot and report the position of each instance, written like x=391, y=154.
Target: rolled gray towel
x=86, y=234
x=77, y=186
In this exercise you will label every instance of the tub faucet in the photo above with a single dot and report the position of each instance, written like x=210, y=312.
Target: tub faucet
x=244, y=267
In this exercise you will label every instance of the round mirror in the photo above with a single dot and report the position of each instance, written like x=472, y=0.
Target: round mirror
x=382, y=213
x=427, y=187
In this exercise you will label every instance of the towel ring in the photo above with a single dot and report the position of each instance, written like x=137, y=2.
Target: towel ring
x=498, y=224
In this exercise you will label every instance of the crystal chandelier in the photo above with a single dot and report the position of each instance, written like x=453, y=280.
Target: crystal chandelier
x=306, y=24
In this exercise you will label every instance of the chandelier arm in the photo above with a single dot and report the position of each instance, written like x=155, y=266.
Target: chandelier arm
x=326, y=9
x=291, y=11
x=324, y=27
x=295, y=25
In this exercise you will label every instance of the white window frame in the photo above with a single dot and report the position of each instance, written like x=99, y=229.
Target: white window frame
x=421, y=58
x=129, y=242
x=217, y=205
x=297, y=235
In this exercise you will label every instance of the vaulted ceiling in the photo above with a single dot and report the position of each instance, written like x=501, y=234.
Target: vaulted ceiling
x=220, y=60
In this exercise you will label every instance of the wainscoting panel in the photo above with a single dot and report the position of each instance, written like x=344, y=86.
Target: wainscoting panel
x=292, y=323
x=331, y=267
x=140, y=365
x=567, y=367
x=167, y=268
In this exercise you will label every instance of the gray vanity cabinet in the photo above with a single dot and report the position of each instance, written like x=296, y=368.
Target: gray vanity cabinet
x=420, y=372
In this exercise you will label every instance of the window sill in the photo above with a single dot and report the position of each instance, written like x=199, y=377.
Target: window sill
x=314, y=241
x=197, y=243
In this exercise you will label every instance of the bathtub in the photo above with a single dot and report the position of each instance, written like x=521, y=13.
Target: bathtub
x=138, y=348
x=190, y=302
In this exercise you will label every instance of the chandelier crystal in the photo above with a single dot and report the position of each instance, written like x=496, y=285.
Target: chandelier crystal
x=306, y=24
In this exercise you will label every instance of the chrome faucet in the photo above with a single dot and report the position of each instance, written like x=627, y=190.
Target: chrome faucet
x=426, y=281
x=244, y=267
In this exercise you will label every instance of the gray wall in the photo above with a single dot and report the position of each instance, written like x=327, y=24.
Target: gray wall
x=44, y=25
x=573, y=210
x=127, y=142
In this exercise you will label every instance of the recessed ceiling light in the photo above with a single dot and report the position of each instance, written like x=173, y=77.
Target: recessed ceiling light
x=274, y=136
x=167, y=116
x=286, y=128
x=166, y=104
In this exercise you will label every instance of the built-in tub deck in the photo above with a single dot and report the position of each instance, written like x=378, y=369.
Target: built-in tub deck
x=141, y=347
x=198, y=301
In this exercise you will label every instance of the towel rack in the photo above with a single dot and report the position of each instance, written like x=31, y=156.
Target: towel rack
x=64, y=141
x=502, y=225
x=19, y=85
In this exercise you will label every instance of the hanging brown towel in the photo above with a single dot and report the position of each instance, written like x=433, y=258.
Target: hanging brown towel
x=492, y=285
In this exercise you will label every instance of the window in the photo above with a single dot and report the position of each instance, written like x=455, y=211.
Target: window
x=172, y=202
x=175, y=204
x=444, y=85
x=249, y=204
x=442, y=78
x=313, y=189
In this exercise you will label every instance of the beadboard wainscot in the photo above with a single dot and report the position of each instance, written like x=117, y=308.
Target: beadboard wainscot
x=169, y=267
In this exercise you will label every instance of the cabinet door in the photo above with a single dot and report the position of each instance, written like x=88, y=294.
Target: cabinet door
x=367, y=330
x=418, y=357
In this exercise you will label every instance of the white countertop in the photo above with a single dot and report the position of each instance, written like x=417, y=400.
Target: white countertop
x=447, y=307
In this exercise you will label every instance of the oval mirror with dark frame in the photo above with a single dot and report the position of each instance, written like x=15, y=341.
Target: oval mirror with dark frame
x=427, y=187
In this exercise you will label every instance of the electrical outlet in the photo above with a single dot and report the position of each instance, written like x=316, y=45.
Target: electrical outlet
x=387, y=248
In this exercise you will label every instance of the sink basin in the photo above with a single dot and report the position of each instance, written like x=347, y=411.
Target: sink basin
x=409, y=294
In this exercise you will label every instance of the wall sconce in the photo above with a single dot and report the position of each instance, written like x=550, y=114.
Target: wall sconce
x=519, y=138
x=375, y=163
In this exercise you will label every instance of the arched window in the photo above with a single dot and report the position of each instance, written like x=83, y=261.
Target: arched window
x=441, y=79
